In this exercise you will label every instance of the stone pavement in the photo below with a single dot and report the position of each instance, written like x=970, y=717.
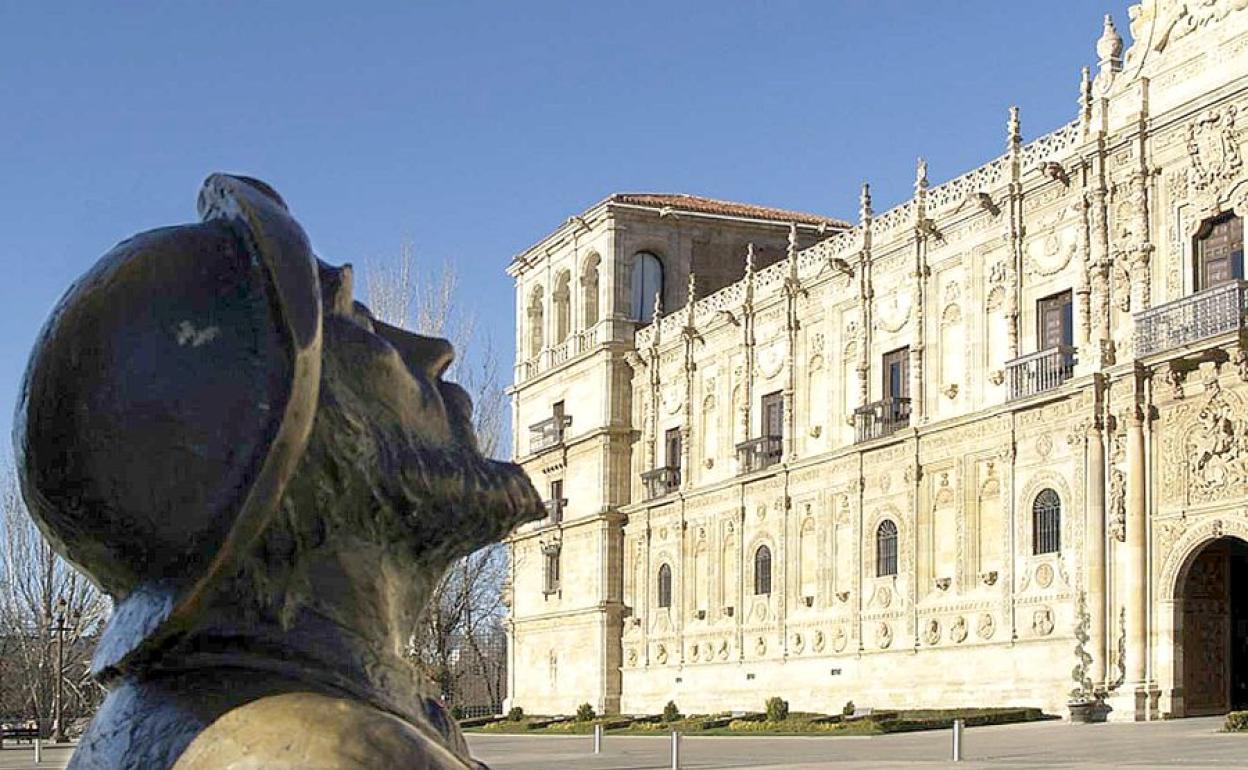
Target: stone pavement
x=1187, y=743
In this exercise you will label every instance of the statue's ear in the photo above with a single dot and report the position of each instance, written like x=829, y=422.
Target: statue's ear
x=168, y=401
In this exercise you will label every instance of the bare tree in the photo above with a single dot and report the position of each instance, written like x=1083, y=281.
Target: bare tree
x=460, y=642
x=45, y=603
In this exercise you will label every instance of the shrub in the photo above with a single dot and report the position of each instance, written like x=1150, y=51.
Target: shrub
x=1236, y=722
x=457, y=713
x=670, y=712
x=585, y=713
x=515, y=714
x=849, y=709
x=777, y=709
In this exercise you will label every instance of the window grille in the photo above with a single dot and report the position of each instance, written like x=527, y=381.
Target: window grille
x=762, y=571
x=886, y=549
x=665, y=586
x=1046, y=523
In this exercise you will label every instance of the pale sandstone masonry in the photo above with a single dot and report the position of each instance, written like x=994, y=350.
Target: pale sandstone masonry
x=885, y=462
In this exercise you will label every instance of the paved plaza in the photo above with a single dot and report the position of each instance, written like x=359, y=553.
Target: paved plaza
x=1188, y=743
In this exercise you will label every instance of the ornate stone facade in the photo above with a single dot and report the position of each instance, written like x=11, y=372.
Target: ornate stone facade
x=883, y=462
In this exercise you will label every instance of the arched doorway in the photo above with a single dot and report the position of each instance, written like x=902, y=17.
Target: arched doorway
x=1213, y=629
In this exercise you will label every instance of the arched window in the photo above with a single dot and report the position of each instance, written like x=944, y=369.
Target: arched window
x=665, y=586
x=762, y=571
x=646, y=284
x=537, y=318
x=589, y=290
x=1046, y=522
x=562, y=297
x=886, y=548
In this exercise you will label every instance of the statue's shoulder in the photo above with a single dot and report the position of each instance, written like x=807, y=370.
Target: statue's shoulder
x=310, y=731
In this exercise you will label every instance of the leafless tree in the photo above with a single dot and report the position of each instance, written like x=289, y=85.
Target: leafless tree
x=460, y=642
x=42, y=598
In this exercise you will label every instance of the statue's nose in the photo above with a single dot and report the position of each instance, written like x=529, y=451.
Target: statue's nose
x=429, y=355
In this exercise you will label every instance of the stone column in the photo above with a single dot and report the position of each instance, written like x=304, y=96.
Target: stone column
x=1094, y=550
x=1135, y=550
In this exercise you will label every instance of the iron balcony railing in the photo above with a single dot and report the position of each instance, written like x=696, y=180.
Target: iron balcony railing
x=661, y=481
x=1185, y=321
x=881, y=418
x=1041, y=371
x=548, y=432
x=759, y=453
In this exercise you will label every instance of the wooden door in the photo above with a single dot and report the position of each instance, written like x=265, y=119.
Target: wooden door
x=1207, y=634
x=773, y=414
x=672, y=441
x=897, y=373
x=1056, y=315
x=1220, y=253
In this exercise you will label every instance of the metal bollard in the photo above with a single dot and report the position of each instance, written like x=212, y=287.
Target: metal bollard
x=38, y=750
x=675, y=750
x=597, y=739
x=958, y=726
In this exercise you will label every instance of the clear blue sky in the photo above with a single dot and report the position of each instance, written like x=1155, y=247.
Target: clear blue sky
x=474, y=128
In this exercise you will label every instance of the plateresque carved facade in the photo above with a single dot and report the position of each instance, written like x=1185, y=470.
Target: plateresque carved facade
x=889, y=462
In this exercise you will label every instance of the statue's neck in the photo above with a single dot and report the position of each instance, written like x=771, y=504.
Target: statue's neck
x=341, y=625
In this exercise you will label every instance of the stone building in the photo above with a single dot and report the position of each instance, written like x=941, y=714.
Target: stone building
x=906, y=462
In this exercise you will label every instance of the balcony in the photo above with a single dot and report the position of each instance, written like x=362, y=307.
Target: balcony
x=554, y=510
x=1189, y=320
x=1041, y=371
x=661, y=481
x=548, y=432
x=881, y=418
x=759, y=453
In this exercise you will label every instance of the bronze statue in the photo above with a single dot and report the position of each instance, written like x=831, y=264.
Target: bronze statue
x=268, y=481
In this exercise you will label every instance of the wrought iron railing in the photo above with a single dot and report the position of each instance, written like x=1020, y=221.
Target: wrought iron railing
x=548, y=432
x=1191, y=319
x=1040, y=371
x=759, y=453
x=661, y=481
x=881, y=418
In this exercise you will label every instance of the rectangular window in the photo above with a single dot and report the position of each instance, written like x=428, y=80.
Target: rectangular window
x=559, y=416
x=551, y=578
x=671, y=439
x=1055, y=321
x=556, y=501
x=897, y=373
x=773, y=415
x=1220, y=252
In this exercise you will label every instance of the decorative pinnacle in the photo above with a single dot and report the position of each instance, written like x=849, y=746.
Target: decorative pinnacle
x=920, y=176
x=658, y=305
x=1085, y=96
x=749, y=259
x=1014, y=129
x=864, y=203
x=1109, y=47
x=693, y=289
x=792, y=240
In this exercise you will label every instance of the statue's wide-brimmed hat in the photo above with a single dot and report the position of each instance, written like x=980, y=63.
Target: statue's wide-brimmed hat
x=168, y=401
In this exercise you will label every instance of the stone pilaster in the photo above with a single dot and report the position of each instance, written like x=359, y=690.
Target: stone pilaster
x=1135, y=562
x=1095, y=549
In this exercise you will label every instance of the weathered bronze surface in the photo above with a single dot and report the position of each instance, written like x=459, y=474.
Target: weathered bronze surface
x=268, y=482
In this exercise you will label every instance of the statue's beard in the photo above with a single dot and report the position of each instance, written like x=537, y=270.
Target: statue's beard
x=455, y=501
